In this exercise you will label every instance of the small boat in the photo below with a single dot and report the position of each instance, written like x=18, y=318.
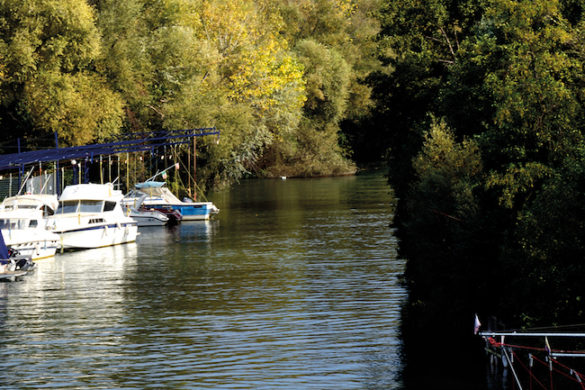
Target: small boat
x=23, y=224
x=158, y=196
x=91, y=216
x=173, y=215
x=145, y=216
x=148, y=217
x=13, y=264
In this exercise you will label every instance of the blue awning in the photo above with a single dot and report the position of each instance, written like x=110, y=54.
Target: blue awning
x=150, y=184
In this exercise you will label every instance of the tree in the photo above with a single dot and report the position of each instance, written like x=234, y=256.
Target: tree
x=47, y=49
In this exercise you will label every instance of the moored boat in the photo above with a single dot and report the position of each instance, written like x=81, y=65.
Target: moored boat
x=158, y=196
x=24, y=225
x=91, y=216
x=145, y=216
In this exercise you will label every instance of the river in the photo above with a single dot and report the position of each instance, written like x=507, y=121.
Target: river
x=295, y=284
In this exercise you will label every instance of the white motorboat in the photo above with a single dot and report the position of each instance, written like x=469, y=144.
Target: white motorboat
x=91, y=216
x=145, y=216
x=23, y=224
x=158, y=196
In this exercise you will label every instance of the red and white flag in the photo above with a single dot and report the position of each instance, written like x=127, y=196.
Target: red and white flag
x=476, y=325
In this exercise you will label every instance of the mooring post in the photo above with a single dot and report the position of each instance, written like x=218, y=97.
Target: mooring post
x=57, y=182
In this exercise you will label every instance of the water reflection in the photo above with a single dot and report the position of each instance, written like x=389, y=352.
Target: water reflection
x=295, y=285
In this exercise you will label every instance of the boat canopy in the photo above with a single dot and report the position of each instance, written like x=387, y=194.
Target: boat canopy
x=150, y=184
x=91, y=191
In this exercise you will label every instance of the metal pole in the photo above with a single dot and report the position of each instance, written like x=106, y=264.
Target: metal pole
x=195, y=168
x=57, y=188
x=127, y=171
x=40, y=175
x=512, y=368
x=20, y=167
x=528, y=334
x=188, y=175
x=119, y=172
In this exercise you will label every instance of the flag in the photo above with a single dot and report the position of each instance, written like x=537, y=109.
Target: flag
x=476, y=325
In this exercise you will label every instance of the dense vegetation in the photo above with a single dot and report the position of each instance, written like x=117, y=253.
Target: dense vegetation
x=486, y=102
x=277, y=78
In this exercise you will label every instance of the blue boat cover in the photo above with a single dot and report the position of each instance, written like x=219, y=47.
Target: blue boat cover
x=150, y=184
x=3, y=248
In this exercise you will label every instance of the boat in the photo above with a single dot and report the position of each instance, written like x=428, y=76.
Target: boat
x=173, y=215
x=91, y=216
x=158, y=196
x=145, y=216
x=23, y=225
x=148, y=217
x=12, y=263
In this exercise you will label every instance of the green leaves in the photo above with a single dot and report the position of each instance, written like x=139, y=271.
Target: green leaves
x=48, y=49
x=277, y=77
x=510, y=89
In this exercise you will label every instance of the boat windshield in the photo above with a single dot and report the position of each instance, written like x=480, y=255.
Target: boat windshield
x=13, y=224
x=91, y=206
x=67, y=206
x=15, y=206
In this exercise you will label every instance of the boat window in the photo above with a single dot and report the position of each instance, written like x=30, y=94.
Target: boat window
x=47, y=211
x=109, y=206
x=96, y=220
x=67, y=206
x=27, y=206
x=12, y=224
x=33, y=223
x=91, y=206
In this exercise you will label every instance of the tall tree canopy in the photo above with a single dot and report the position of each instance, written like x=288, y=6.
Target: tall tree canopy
x=48, y=51
x=277, y=77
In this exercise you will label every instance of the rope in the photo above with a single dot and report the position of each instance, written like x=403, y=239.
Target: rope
x=532, y=376
x=557, y=370
x=571, y=370
x=573, y=375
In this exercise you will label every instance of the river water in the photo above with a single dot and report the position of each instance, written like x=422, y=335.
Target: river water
x=294, y=285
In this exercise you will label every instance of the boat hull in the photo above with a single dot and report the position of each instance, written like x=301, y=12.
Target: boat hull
x=149, y=218
x=98, y=236
x=38, y=244
x=189, y=212
x=37, y=252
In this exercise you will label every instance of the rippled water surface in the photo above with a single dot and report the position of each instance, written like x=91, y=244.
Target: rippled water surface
x=294, y=285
